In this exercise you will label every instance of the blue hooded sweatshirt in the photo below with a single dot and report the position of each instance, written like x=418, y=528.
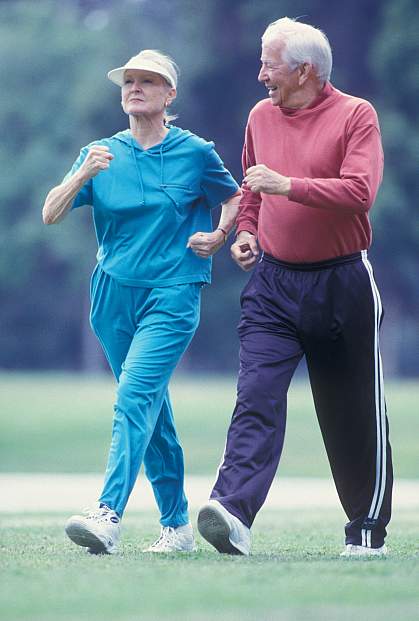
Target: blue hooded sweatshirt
x=148, y=203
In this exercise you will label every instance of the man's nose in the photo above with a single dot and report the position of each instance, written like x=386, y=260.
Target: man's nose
x=262, y=77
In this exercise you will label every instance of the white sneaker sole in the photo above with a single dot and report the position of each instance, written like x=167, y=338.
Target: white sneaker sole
x=363, y=552
x=172, y=551
x=82, y=536
x=215, y=529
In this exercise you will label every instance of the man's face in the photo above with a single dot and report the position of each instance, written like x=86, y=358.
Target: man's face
x=281, y=81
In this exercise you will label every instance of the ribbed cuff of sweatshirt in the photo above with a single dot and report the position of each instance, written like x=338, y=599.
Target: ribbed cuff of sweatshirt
x=299, y=190
x=246, y=226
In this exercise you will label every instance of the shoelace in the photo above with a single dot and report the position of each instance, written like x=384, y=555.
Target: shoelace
x=103, y=514
x=167, y=537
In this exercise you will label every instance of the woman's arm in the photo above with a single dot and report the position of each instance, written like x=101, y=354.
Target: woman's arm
x=59, y=200
x=206, y=244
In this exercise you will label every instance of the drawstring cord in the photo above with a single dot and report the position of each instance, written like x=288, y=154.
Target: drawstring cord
x=140, y=179
x=161, y=165
x=162, y=184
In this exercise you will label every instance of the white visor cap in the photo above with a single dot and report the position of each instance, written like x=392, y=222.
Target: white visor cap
x=143, y=63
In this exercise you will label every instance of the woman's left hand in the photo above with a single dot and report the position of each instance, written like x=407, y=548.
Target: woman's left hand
x=204, y=245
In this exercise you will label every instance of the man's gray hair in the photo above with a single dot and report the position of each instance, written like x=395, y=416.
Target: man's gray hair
x=303, y=44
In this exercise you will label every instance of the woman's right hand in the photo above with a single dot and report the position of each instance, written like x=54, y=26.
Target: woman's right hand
x=98, y=158
x=59, y=200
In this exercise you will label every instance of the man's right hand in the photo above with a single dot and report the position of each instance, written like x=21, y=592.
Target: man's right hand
x=245, y=250
x=98, y=158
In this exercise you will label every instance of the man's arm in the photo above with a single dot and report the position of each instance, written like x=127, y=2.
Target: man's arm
x=248, y=216
x=245, y=249
x=359, y=177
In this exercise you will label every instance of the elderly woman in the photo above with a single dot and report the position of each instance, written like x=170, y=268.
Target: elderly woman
x=152, y=188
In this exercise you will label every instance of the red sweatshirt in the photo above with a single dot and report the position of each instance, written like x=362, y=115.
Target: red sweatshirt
x=332, y=152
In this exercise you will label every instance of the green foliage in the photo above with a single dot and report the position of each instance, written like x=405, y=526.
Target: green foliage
x=37, y=121
x=55, y=99
x=59, y=100
x=393, y=60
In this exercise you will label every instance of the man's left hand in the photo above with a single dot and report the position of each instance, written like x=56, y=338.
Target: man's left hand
x=205, y=245
x=260, y=178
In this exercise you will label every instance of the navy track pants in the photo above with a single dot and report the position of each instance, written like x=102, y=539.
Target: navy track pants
x=330, y=312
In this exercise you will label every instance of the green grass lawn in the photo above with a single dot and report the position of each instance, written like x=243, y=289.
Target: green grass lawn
x=62, y=423
x=295, y=573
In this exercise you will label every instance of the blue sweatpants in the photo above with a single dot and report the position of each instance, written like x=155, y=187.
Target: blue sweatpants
x=144, y=333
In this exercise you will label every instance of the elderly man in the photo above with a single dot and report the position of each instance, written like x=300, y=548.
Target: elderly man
x=313, y=163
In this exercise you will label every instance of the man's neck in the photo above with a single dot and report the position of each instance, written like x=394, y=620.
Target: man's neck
x=305, y=97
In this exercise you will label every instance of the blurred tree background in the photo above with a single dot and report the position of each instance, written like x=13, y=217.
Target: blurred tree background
x=55, y=98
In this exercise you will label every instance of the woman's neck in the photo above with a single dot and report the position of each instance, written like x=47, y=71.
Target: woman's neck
x=148, y=132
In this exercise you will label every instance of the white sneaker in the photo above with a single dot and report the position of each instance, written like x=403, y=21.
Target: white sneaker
x=171, y=539
x=98, y=530
x=354, y=550
x=223, y=530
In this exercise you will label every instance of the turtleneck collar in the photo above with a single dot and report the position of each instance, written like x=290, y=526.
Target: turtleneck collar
x=324, y=94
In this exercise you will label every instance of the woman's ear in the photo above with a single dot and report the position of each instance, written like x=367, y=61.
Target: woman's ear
x=171, y=95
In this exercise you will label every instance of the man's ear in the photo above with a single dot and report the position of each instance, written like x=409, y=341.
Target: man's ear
x=304, y=71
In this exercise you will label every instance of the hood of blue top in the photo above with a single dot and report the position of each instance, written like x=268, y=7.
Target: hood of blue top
x=146, y=179
x=173, y=138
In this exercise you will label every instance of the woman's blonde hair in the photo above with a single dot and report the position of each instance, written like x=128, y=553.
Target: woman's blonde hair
x=170, y=67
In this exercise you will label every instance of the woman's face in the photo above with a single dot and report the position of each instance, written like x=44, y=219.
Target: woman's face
x=145, y=93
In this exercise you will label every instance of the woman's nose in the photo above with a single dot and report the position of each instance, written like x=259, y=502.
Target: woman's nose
x=136, y=86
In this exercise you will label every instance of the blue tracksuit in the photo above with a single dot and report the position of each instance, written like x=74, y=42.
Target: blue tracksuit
x=145, y=295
